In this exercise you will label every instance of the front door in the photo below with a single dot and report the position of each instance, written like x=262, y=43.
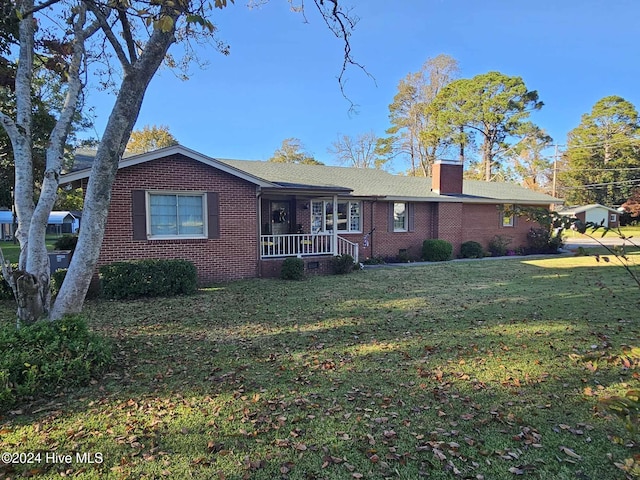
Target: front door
x=280, y=218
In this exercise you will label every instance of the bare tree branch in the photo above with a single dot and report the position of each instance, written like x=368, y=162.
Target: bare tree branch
x=42, y=6
x=128, y=37
x=341, y=24
x=108, y=31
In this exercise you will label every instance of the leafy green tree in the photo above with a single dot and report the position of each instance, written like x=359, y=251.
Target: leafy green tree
x=69, y=200
x=491, y=107
x=150, y=138
x=292, y=151
x=415, y=133
x=361, y=151
x=602, y=160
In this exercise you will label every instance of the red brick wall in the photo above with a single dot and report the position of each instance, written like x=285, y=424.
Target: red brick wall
x=446, y=178
x=454, y=222
x=320, y=265
x=449, y=221
x=231, y=256
x=386, y=244
x=481, y=223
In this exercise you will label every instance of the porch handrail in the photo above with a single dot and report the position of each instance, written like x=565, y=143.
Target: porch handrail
x=347, y=247
x=303, y=244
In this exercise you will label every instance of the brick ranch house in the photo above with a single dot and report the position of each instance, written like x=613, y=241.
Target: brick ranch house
x=239, y=219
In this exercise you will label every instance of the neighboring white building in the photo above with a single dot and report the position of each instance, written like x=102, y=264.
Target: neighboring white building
x=596, y=214
x=58, y=224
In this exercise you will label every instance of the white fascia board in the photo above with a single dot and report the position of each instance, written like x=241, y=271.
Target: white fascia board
x=166, y=152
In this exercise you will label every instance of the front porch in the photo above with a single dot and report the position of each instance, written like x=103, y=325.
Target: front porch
x=306, y=245
x=285, y=221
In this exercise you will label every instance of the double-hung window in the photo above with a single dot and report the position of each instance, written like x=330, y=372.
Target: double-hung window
x=400, y=217
x=347, y=217
x=176, y=215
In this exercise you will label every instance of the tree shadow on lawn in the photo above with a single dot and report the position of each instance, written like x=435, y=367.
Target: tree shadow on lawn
x=395, y=361
x=407, y=395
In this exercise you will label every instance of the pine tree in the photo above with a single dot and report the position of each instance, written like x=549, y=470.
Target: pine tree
x=602, y=160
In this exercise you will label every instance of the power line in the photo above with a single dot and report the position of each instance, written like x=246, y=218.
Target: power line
x=620, y=169
x=602, y=143
x=598, y=185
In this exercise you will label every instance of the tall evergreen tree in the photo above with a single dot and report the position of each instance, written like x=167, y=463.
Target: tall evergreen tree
x=602, y=160
x=492, y=107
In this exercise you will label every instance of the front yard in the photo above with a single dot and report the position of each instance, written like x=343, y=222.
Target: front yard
x=485, y=370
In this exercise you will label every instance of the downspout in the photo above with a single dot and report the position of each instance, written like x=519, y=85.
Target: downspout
x=371, y=214
x=334, y=237
x=259, y=230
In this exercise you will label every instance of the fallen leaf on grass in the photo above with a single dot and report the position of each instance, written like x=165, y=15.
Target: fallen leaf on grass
x=522, y=469
x=567, y=451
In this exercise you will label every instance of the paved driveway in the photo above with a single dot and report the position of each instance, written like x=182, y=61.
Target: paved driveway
x=572, y=243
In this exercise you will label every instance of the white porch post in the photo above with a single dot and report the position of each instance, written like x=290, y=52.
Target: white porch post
x=334, y=237
x=259, y=207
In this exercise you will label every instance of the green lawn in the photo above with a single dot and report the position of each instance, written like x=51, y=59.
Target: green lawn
x=485, y=369
x=11, y=251
x=633, y=232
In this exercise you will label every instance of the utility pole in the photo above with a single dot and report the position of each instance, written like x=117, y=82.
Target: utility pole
x=555, y=169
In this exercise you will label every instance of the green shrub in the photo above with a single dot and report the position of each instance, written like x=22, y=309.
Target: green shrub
x=343, y=264
x=66, y=242
x=436, y=250
x=148, y=278
x=499, y=245
x=540, y=240
x=471, y=249
x=292, y=269
x=40, y=359
x=57, y=278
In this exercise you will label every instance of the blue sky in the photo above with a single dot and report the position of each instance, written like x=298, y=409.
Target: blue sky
x=280, y=79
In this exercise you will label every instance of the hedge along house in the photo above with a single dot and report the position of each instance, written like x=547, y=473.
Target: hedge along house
x=238, y=219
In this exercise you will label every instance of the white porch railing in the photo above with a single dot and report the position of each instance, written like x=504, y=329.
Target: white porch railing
x=304, y=244
x=347, y=247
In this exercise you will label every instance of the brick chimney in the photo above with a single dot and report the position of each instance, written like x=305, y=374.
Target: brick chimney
x=446, y=178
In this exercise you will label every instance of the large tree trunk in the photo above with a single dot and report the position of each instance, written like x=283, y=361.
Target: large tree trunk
x=28, y=288
x=30, y=283
x=98, y=195
x=486, y=160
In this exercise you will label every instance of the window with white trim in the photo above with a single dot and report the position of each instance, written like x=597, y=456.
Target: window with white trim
x=400, y=217
x=347, y=218
x=613, y=217
x=176, y=215
x=508, y=218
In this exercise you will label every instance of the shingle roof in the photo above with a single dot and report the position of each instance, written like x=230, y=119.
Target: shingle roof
x=366, y=182
x=360, y=182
